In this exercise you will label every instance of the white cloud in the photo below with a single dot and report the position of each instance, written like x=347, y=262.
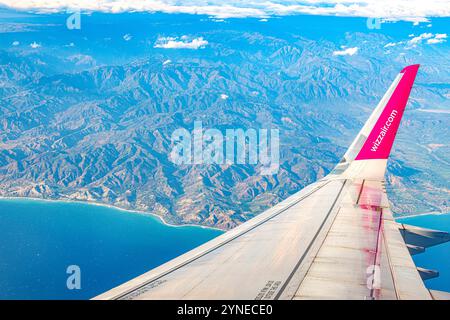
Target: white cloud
x=441, y=36
x=419, y=39
x=434, y=41
x=346, y=52
x=438, y=38
x=431, y=38
x=182, y=43
x=15, y=43
x=394, y=44
x=410, y=10
x=35, y=45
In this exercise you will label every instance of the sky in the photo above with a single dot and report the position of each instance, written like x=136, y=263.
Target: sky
x=409, y=10
x=103, y=31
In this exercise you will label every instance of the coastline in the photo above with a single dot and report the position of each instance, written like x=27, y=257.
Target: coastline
x=161, y=219
x=131, y=211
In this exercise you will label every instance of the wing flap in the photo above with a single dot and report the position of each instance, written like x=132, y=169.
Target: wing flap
x=361, y=256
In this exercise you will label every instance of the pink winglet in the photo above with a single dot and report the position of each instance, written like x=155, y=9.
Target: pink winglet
x=379, y=142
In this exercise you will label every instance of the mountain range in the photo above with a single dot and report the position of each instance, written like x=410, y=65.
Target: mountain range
x=80, y=123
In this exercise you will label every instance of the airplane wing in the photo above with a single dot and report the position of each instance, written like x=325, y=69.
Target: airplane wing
x=335, y=239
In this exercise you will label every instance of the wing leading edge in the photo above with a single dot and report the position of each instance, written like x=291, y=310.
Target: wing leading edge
x=334, y=239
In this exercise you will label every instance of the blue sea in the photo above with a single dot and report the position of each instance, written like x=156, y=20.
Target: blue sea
x=437, y=257
x=39, y=240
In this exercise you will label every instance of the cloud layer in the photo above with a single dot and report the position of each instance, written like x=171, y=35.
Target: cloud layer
x=35, y=45
x=413, y=10
x=182, y=43
x=431, y=38
x=346, y=52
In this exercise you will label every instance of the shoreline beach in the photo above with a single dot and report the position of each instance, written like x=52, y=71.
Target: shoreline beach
x=132, y=211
